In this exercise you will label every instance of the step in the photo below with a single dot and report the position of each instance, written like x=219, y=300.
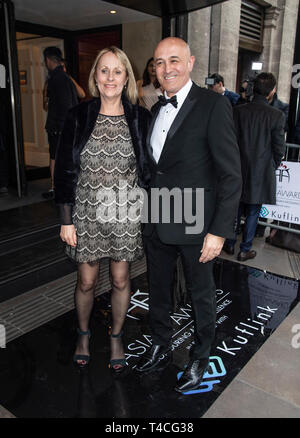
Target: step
x=25, y=239
x=31, y=252
x=24, y=220
x=28, y=311
x=32, y=266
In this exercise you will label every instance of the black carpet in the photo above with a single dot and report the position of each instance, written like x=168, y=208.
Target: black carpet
x=39, y=380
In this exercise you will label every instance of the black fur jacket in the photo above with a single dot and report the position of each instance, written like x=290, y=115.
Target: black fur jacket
x=77, y=129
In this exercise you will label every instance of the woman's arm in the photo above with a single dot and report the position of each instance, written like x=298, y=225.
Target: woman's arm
x=80, y=91
x=65, y=171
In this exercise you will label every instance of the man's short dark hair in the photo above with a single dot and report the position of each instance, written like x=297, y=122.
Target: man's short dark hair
x=53, y=53
x=264, y=84
x=218, y=78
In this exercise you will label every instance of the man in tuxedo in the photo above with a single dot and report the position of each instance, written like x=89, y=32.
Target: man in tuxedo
x=191, y=146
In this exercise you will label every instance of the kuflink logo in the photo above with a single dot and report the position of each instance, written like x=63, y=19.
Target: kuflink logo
x=216, y=369
x=283, y=172
x=263, y=212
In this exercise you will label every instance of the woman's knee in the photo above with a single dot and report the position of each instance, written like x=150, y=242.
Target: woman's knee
x=86, y=286
x=120, y=282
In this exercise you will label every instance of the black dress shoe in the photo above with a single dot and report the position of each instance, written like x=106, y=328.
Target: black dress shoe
x=192, y=375
x=156, y=358
x=228, y=249
x=243, y=256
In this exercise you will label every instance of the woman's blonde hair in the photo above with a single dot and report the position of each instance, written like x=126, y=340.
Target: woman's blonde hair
x=130, y=89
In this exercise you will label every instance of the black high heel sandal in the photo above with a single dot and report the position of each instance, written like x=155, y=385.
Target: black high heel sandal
x=83, y=357
x=121, y=363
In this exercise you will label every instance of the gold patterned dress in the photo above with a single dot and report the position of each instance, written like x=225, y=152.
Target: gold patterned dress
x=106, y=211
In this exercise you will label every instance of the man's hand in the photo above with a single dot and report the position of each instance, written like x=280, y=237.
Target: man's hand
x=68, y=234
x=212, y=246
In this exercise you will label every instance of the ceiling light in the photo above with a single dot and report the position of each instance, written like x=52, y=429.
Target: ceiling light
x=112, y=12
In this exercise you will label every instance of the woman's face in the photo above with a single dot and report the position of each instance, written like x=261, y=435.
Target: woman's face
x=151, y=68
x=111, y=76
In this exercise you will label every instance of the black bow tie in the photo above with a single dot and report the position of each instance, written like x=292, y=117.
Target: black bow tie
x=163, y=101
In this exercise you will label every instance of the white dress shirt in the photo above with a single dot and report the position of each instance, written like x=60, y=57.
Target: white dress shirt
x=165, y=119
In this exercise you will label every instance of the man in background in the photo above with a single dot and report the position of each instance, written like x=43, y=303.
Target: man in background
x=62, y=96
x=260, y=136
x=219, y=87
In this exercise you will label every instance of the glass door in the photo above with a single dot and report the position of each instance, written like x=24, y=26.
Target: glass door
x=12, y=170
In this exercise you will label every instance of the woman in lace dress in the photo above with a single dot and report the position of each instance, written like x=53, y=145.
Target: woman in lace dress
x=101, y=158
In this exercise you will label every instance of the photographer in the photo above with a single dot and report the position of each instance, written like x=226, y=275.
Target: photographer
x=245, y=92
x=215, y=82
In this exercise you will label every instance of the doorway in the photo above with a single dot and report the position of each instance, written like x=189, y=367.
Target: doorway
x=32, y=77
x=244, y=68
x=88, y=45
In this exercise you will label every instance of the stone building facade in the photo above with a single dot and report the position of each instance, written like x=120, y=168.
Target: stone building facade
x=214, y=38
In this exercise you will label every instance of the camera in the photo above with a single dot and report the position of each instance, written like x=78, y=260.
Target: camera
x=210, y=81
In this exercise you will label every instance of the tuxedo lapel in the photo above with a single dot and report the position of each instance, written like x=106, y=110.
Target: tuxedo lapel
x=182, y=114
x=180, y=117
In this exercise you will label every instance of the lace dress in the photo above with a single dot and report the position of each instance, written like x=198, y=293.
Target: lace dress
x=106, y=219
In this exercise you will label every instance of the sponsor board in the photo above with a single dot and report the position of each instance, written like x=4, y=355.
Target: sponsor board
x=287, y=208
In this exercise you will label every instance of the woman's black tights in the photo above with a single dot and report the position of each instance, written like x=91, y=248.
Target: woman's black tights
x=84, y=299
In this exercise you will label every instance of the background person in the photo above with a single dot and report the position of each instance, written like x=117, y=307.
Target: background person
x=149, y=88
x=219, y=88
x=102, y=148
x=62, y=96
x=244, y=97
x=79, y=90
x=260, y=135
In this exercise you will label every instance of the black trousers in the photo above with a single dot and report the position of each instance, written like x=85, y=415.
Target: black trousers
x=53, y=140
x=161, y=262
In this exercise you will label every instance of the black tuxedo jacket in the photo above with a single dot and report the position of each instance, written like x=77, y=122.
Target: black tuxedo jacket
x=200, y=151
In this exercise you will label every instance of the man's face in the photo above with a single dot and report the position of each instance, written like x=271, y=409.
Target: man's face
x=173, y=64
x=270, y=97
x=50, y=64
x=245, y=85
x=47, y=63
x=218, y=88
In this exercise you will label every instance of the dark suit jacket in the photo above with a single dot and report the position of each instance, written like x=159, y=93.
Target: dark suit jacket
x=62, y=96
x=77, y=129
x=200, y=152
x=260, y=135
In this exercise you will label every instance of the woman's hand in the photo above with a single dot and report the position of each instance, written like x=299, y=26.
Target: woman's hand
x=68, y=234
